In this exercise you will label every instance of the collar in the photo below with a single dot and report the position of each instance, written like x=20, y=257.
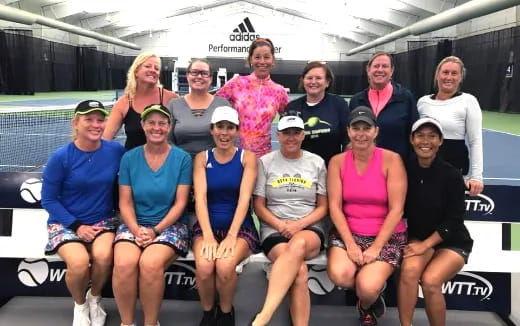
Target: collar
x=252, y=77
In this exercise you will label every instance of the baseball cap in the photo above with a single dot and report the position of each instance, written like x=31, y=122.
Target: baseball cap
x=155, y=108
x=290, y=121
x=427, y=120
x=88, y=106
x=362, y=113
x=225, y=113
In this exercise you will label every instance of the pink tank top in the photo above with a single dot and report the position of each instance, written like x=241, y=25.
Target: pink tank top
x=365, y=197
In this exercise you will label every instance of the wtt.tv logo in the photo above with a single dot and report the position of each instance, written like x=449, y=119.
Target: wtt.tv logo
x=244, y=32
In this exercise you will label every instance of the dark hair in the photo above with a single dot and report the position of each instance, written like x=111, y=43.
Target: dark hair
x=317, y=64
x=199, y=60
x=378, y=54
x=212, y=125
x=257, y=43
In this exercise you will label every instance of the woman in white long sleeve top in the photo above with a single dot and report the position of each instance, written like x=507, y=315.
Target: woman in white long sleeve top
x=461, y=119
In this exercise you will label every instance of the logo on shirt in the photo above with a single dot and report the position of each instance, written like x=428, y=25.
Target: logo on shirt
x=291, y=184
x=315, y=133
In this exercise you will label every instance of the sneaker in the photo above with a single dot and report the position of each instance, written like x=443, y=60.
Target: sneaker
x=97, y=313
x=225, y=318
x=209, y=318
x=366, y=317
x=379, y=306
x=81, y=315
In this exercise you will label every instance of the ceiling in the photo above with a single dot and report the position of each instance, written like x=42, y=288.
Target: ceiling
x=357, y=21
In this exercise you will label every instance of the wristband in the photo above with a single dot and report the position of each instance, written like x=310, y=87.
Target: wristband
x=157, y=232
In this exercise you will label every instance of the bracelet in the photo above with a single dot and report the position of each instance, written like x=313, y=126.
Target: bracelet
x=157, y=232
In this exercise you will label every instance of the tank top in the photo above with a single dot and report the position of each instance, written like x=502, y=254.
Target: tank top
x=132, y=121
x=223, y=189
x=365, y=196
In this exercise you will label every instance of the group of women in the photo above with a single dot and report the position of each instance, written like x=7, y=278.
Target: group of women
x=332, y=161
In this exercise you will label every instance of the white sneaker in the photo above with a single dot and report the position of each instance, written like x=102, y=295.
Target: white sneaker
x=97, y=313
x=81, y=315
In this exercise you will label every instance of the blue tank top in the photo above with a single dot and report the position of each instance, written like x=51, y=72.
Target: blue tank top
x=223, y=188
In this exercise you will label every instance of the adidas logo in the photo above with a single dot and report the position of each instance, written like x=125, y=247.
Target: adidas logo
x=244, y=32
x=209, y=165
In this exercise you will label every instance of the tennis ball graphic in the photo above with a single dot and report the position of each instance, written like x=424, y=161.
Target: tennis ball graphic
x=312, y=121
x=319, y=282
x=31, y=190
x=33, y=272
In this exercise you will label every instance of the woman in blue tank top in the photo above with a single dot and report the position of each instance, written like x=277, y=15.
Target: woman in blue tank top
x=224, y=235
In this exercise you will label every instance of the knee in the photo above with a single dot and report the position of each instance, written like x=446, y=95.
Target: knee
x=297, y=247
x=366, y=289
x=409, y=274
x=204, y=271
x=104, y=258
x=150, y=268
x=430, y=284
x=342, y=277
x=78, y=265
x=226, y=270
x=124, y=268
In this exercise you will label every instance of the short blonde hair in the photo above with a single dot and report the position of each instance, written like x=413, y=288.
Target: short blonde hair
x=453, y=59
x=131, y=82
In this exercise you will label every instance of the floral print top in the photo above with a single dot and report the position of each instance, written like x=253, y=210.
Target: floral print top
x=257, y=102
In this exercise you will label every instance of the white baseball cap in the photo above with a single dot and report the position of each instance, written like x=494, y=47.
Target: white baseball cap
x=225, y=113
x=290, y=121
x=427, y=120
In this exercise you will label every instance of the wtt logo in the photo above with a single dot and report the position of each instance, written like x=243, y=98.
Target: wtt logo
x=480, y=204
x=244, y=32
x=473, y=285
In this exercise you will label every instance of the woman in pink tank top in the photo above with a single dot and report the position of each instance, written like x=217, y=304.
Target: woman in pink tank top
x=367, y=190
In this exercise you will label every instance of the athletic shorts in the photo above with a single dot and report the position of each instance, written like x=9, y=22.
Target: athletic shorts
x=272, y=240
x=391, y=253
x=248, y=234
x=59, y=234
x=176, y=236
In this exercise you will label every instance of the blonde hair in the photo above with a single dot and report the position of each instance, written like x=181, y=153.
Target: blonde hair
x=131, y=82
x=453, y=59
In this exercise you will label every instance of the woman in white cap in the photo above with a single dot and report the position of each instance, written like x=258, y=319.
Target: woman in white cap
x=291, y=201
x=154, y=182
x=224, y=235
x=461, y=117
x=77, y=193
x=439, y=243
x=367, y=189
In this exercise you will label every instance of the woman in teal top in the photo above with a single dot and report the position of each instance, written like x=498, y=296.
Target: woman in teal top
x=154, y=182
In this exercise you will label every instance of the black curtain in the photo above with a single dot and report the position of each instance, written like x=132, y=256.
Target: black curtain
x=16, y=62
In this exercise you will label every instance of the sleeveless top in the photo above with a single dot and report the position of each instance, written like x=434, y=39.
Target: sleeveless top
x=223, y=189
x=132, y=121
x=365, y=196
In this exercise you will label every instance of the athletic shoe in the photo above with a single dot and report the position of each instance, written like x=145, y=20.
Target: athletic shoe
x=97, y=313
x=209, y=318
x=81, y=315
x=225, y=318
x=366, y=317
x=379, y=306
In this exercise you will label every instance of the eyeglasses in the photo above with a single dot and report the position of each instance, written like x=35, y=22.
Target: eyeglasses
x=202, y=73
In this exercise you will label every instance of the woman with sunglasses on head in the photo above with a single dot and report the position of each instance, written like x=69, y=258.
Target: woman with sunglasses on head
x=393, y=105
x=439, y=243
x=224, y=235
x=325, y=114
x=256, y=98
x=77, y=193
x=191, y=114
x=291, y=200
x=154, y=183
x=461, y=117
x=143, y=88
x=367, y=189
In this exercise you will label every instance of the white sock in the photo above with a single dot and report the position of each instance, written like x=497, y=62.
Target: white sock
x=81, y=306
x=91, y=297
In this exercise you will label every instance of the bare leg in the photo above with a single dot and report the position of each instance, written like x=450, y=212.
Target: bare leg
x=341, y=270
x=154, y=261
x=444, y=266
x=102, y=259
x=287, y=258
x=370, y=280
x=411, y=271
x=227, y=276
x=124, y=279
x=299, y=298
x=77, y=259
x=205, y=275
